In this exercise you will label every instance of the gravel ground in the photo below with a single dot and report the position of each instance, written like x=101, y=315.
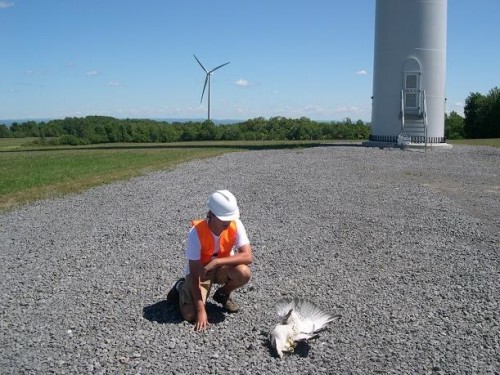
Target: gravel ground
x=403, y=244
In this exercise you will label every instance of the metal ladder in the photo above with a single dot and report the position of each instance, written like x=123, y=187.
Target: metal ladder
x=406, y=130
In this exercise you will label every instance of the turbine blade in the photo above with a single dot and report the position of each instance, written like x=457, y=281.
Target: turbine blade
x=204, y=86
x=220, y=66
x=206, y=71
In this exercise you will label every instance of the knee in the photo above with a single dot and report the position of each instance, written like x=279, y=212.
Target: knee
x=244, y=273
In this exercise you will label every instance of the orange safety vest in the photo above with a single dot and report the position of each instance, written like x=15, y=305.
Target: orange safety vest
x=226, y=240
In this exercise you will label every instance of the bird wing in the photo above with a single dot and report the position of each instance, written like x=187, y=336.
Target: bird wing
x=284, y=308
x=306, y=317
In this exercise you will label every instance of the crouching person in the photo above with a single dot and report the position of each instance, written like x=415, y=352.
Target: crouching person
x=218, y=252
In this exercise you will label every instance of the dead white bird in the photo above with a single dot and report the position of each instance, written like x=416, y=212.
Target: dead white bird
x=301, y=320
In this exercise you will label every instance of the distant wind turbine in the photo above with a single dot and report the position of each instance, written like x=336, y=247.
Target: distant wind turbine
x=207, y=81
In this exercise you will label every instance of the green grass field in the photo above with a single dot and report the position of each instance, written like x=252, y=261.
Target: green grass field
x=29, y=176
x=29, y=172
x=9, y=144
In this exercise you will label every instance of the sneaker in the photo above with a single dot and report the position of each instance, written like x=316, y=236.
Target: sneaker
x=173, y=294
x=226, y=302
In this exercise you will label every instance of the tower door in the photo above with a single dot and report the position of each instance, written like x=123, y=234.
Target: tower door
x=412, y=92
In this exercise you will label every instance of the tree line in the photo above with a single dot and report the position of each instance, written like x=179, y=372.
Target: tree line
x=481, y=117
x=482, y=120
x=103, y=129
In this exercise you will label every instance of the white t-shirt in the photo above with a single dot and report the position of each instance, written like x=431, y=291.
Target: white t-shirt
x=193, y=246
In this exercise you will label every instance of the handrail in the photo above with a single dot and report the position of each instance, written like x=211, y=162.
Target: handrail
x=424, y=114
x=402, y=111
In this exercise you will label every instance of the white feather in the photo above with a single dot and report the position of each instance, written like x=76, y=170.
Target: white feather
x=305, y=315
x=300, y=320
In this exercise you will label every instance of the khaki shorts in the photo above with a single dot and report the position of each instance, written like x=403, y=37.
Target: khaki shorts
x=220, y=276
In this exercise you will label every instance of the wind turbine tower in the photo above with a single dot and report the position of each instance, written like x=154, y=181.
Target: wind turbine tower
x=207, y=81
x=409, y=73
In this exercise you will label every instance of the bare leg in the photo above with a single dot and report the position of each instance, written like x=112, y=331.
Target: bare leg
x=237, y=277
x=186, y=305
x=188, y=312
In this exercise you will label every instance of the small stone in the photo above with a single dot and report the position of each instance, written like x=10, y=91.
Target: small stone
x=123, y=359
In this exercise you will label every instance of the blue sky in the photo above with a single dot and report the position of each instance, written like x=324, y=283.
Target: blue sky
x=292, y=58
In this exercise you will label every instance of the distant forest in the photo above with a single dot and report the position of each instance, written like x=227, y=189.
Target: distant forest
x=482, y=120
x=103, y=129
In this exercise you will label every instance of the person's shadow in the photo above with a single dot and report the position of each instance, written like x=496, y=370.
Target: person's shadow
x=167, y=312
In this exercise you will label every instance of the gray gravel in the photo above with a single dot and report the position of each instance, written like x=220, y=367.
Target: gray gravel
x=403, y=244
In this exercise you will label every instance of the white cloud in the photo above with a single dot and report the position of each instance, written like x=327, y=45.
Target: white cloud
x=241, y=82
x=457, y=107
x=31, y=72
x=318, y=112
x=92, y=73
x=361, y=72
x=346, y=109
x=5, y=5
x=113, y=83
x=311, y=108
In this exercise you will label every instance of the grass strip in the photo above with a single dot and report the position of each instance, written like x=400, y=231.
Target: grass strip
x=492, y=142
x=32, y=175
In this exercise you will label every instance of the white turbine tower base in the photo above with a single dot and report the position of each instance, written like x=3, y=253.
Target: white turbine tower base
x=207, y=81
